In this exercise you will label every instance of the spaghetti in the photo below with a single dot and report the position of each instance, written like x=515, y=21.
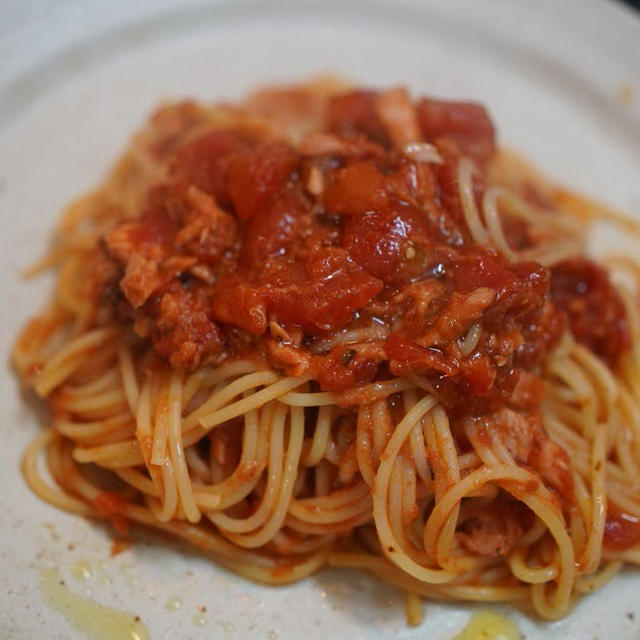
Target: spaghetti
x=328, y=328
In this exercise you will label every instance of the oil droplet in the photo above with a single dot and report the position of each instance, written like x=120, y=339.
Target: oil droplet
x=200, y=619
x=89, y=617
x=81, y=570
x=226, y=626
x=102, y=576
x=488, y=625
x=273, y=635
x=173, y=604
x=127, y=571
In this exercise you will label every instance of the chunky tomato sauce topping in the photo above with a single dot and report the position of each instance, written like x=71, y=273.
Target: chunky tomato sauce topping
x=251, y=245
x=621, y=531
x=596, y=313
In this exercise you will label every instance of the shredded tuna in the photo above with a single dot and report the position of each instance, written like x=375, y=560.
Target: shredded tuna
x=141, y=279
x=422, y=152
x=491, y=531
x=287, y=358
x=525, y=439
x=460, y=312
x=551, y=461
x=320, y=143
x=207, y=230
x=183, y=331
x=398, y=116
x=517, y=432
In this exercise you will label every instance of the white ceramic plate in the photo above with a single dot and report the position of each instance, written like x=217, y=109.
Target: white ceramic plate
x=76, y=78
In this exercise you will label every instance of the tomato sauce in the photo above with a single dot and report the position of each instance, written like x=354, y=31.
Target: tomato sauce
x=596, y=313
x=110, y=505
x=257, y=246
x=621, y=531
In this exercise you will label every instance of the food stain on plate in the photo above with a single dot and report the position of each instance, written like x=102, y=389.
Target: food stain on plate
x=225, y=625
x=95, y=620
x=625, y=94
x=81, y=570
x=200, y=619
x=489, y=625
x=85, y=570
